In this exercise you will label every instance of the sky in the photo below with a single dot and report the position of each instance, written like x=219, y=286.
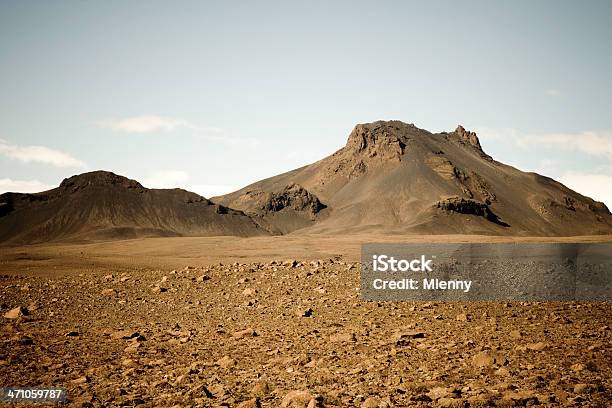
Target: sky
x=213, y=95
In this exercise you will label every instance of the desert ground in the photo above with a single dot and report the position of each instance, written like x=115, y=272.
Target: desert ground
x=278, y=321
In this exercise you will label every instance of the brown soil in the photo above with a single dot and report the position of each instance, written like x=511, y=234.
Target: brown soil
x=160, y=322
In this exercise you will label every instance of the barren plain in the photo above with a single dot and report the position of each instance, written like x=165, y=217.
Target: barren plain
x=278, y=321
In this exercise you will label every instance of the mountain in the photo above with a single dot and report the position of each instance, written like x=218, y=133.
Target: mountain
x=393, y=177
x=103, y=205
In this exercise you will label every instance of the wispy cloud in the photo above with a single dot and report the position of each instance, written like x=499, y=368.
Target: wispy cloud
x=39, y=154
x=555, y=93
x=595, y=143
x=155, y=123
x=145, y=124
x=23, y=186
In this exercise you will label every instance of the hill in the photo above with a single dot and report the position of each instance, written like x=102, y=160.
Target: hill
x=103, y=205
x=394, y=177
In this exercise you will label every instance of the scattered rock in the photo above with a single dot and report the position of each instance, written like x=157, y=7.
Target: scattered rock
x=404, y=335
x=158, y=289
x=261, y=388
x=440, y=392
x=252, y=403
x=81, y=380
x=305, y=313
x=462, y=318
x=370, y=402
x=125, y=335
x=345, y=337
x=244, y=333
x=109, y=292
x=296, y=399
x=488, y=359
x=16, y=313
x=540, y=346
x=516, y=334
x=582, y=388
x=249, y=292
x=226, y=362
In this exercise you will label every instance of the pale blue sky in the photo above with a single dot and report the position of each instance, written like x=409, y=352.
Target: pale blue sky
x=210, y=96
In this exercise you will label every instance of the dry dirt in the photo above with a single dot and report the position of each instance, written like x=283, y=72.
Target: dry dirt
x=211, y=322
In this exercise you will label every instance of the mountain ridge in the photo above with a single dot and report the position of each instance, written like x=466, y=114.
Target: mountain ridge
x=390, y=177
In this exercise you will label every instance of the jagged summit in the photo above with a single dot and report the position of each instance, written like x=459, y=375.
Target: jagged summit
x=389, y=139
x=467, y=136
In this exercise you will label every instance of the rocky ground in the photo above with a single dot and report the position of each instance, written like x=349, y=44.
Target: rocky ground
x=291, y=334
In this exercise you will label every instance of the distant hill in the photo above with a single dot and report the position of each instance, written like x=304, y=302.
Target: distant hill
x=393, y=177
x=103, y=205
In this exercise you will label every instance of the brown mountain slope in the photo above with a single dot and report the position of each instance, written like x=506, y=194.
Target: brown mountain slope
x=394, y=177
x=103, y=205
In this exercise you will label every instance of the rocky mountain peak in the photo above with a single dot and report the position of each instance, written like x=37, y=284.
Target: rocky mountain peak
x=99, y=179
x=468, y=137
x=384, y=139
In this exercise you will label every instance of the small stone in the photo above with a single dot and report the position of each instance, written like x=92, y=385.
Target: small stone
x=244, y=333
x=346, y=337
x=502, y=372
x=226, y=362
x=252, y=403
x=249, y=292
x=132, y=348
x=16, y=312
x=261, y=388
x=25, y=341
x=403, y=335
x=582, y=388
x=72, y=334
x=516, y=334
x=305, y=313
x=158, y=289
x=370, y=402
x=578, y=367
x=540, y=346
x=202, y=278
x=450, y=403
x=439, y=392
x=81, y=380
x=316, y=402
x=109, y=292
x=462, y=317
x=292, y=263
x=124, y=335
x=296, y=399
x=487, y=359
